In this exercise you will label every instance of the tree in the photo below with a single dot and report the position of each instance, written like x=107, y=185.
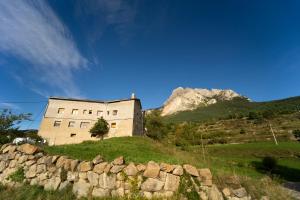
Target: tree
x=155, y=128
x=100, y=128
x=9, y=121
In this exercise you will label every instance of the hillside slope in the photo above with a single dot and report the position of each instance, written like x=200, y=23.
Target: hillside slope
x=236, y=106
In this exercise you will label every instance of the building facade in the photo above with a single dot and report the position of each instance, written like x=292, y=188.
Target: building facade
x=68, y=121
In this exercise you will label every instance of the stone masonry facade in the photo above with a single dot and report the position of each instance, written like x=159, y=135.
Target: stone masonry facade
x=100, y=178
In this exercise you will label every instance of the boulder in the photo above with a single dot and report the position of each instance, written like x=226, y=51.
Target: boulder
x=107, y=181
x=226, y=192
x=3, y=165
x=31, y=171
x=61, y=161
x=9, y=149
x=41, y=168
x=191, y=170
x=52, y=183
x=85, y=166
x=118, y=192
x=28, y=149
x=152, y=170
x=98, y=159
x=240, y=193
x=141, y=167
x=73, y=165
x=81, y=188
x=178, y=170
x=166, y=167
x=93, y=178
x=206, y=176
x=100, y=192
x=72, y=176
x=99, y=168
x=152, y=185
x=214, y=193
x=131, y=170
x=107, y=168
x=172, y=182
x=119, y=161
x=22, y=159
x=117, y=168
x=63, y=185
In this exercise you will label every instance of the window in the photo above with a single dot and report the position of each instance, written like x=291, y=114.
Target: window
x=60, y=110
x=90, y=112
x=57, y=123
x=84, y=112
x=72, y=134
x=100, y=113
x=115, y=112
x=84, y=124
x=107, y=112
x=72, y=124
x=74, y=111
x=113, y=125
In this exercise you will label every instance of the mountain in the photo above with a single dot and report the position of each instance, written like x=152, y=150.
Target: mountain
x=185, y=99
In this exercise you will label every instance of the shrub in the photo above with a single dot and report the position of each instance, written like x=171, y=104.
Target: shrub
x=17, y=176
x=155, y=128
x=269, y=163
x=242, y=131
x=100, y=128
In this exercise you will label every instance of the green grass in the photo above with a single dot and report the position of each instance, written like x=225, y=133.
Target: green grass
x=240, y=159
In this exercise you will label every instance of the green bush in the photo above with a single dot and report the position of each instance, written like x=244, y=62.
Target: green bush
x=155, y=127
x=100, y=128
x=269, y=163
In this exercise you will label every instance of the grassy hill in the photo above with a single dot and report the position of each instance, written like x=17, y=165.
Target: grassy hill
x=237, y=106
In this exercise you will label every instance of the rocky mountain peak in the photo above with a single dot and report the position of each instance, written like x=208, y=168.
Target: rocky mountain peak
x=183, y=99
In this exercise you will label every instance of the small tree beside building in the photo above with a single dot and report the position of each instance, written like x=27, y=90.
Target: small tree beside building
x=100, y=128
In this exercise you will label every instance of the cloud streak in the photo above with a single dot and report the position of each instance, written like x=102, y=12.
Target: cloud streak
x=31, y=31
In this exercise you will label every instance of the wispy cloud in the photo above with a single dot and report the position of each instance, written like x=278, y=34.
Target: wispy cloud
x=120, y=14
x=31, y=31
x=13, y=106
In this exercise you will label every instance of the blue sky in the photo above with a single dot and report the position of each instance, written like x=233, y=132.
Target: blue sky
x=107, y=49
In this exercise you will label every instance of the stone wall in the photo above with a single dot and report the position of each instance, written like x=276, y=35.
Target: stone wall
x=117, y=178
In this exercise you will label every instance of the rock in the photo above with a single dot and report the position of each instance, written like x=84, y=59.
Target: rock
x=67, y=164
x=166, y=167
x=22, y=159
x=4, y=146
x=191, y=170
x=172, y=182
x=43, y=176
x=117, y=168
x=240, y=193
x=93, y=178
x=52, y=184
x=141, y=167
x=47, y=160
x=31, y=172
x=107, y=181
x=214, y=193
x=152, y=185
x=163, y=194
x=107, y=168
x=226, y=192
x=3, y=165
x=147, y=195
x=178, y=170
x=120, y=176
x=72, y=176
x=188, y=99
x=63, y=185
x=41, y=168
x=81, y=188
x=12, y=163
x=131, y=170
x=54, y=159
x=152, y=170
x=28, y=149
x=73, y=165
x=82, y=175
x=203, y=195
x=118, y=192
x=85, y=166
x=119, y=161
x=61, y=161
x=206, y=176
x=9, y=149
x=99, y=168
x=162, y=176
x=30, y=162
x=99, y=192
x=98, y=159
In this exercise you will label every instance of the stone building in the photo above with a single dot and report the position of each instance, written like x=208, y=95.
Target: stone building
x=68, y=120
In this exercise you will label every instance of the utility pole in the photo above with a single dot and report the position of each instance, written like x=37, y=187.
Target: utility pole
x=273, y=133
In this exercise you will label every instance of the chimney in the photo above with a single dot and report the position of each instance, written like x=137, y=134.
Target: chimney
x=132, y=96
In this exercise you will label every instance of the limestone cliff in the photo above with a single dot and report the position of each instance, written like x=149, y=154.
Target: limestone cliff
x=183, y=99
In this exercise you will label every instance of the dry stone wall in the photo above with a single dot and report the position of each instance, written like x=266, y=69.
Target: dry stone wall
x=117, y=178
